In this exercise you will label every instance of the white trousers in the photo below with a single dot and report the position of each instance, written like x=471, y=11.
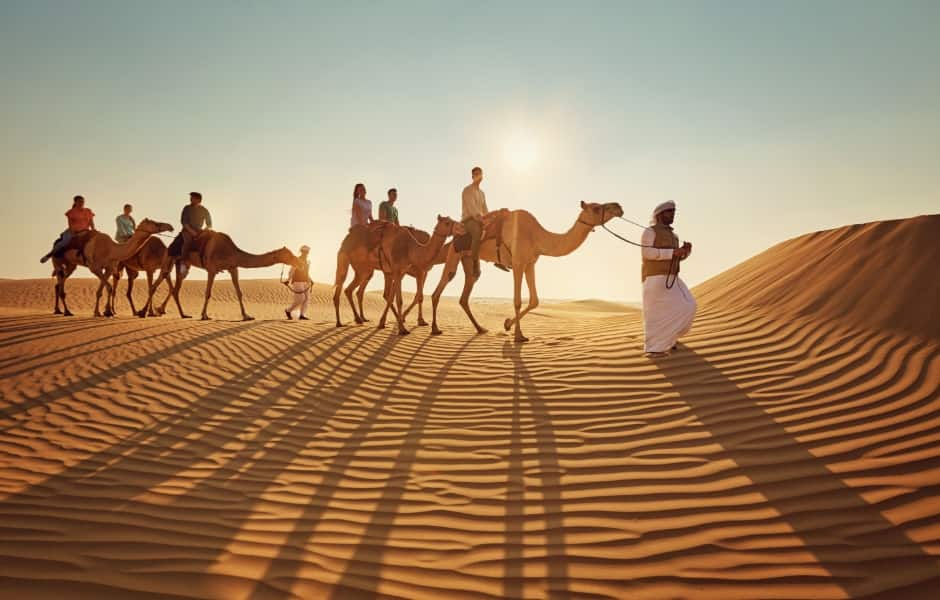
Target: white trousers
x=301, y=291
x=667, y=313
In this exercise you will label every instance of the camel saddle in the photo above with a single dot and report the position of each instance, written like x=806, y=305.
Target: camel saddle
x=492, y=229
x=78, y=243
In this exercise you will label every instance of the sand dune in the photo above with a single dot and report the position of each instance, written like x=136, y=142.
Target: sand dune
x=787, y=451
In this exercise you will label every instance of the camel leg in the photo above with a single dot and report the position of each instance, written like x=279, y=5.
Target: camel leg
x=450, y=270
x=102, y=278
x=392, y=289
x=468, y=281
x=62, y=276
x=384, y=316
x=58, y=292
x=175, y=292
x=150, y=311
x=357, y=278
x=402, y=330
x=337, y=290
x=205, y=305
x=360, y=293
x=238, y=292
x=131, y=276
x=533, y=302
x=517, y=302
x=418, y=299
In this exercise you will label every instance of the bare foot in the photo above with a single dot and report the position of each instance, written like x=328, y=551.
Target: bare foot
x=656, y=354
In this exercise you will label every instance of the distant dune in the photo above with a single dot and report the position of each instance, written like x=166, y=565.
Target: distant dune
x=789, y=449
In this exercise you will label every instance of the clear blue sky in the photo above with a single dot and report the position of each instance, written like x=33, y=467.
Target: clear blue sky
x=762, y=120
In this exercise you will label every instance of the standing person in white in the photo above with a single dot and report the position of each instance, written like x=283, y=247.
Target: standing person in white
x=299, y=282
x=668, y=305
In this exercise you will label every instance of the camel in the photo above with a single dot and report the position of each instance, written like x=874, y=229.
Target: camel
x=394, y=250
x=149, y=259
x=213, y=251
x=102, y=256
x=525, y=240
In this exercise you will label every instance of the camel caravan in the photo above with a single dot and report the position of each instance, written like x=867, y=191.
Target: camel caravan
x=512, y=240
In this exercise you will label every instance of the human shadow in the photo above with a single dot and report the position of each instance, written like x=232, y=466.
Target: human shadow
x=363, y=572
x=525, y=393
x=787, y=474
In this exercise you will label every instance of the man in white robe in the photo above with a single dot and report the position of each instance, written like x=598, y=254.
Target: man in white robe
x=299, y=283
x=668, y=305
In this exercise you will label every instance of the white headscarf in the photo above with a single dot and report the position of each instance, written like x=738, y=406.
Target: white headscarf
x=667, y=205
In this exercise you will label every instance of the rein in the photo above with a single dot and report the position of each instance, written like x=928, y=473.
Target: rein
x=673, y=274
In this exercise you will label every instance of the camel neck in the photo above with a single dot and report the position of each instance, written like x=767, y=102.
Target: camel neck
x=424, y=255
x=253, y=261
x=561, y=244
x=132, y=246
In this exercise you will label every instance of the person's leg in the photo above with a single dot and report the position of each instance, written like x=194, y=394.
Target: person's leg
x=64, y=238
x=184, y=251
x=304, y=302
x=475, y=228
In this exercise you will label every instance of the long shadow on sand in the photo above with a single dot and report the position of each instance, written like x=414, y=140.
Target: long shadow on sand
x=105, y=376
x=794, y=481
x=363, y=572
x=526, y=393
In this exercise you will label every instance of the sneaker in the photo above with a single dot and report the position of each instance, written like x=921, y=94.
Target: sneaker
x=44, y=259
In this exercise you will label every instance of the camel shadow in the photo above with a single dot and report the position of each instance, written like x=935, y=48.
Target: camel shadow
x=797, y=484
x=525, y=392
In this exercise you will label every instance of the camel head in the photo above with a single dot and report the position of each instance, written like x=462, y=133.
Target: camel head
x=445, y=226
x=152, y=227
x=595, y=214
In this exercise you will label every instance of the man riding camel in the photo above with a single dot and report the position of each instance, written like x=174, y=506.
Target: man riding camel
x=668, y=305
x=196, y=220
x=125, y=225
x=80, y=220
x=387, y=209
x=474, y=216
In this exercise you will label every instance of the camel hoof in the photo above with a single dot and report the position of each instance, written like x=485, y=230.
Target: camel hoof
x=380, y=326
x=422, y=323
x=365, y=320
x=521, y=339
x=68, y=313
x=203, y=318
x=141, y=313
x=152, y=314
x=160, y=312
x=188, y=317
x=482, y=330
x=436, y=331
x=403, y=332
x=507, y=324
x=57, y=312
x=246, y=318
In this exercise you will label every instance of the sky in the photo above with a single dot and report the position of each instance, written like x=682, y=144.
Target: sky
x=761, y=120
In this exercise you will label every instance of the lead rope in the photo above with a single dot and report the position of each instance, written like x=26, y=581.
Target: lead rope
x=673, y=264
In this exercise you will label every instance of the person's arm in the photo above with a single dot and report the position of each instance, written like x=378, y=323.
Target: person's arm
x=647, y=239
x=208, y=219
x=184, y=220
x=483, y=203
x=290, y=276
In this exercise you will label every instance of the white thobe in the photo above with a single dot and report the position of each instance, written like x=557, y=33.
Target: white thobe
x=301, y=291
x=667, y=313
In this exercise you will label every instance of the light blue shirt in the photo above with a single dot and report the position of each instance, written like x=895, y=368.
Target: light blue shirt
x=125, y=228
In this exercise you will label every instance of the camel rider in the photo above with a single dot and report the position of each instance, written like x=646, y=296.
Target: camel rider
x=361, y=207
x=474, y=215
x=299, y=282
x=125, y=225
x=80, y=219
x=668, y=305
x=387, y=209
x=195, y=220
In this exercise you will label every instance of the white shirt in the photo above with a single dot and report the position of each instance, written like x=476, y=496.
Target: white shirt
x=365, y=206
x=474, y=202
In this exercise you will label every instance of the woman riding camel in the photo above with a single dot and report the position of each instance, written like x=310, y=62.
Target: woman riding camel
x=361, y=207
x=81, y=219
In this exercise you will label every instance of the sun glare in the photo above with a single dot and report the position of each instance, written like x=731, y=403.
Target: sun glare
x=521, y=151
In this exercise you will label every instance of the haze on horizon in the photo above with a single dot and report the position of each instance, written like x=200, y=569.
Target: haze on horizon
x=762, y=121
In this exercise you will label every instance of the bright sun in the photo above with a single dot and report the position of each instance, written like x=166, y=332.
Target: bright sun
x=521, y=151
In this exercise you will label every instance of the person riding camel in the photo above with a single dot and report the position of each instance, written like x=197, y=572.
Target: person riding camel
x=125, y=225
x=80, y=220
x=361, y=207
x=475, y=215
x=196, y=220
x=387, y=209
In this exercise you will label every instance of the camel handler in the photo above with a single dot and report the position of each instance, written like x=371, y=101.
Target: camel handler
x=668, y=305
x=475, y=215
x=387, y=209
x=125, y=225
x=196, y=220
x=80, y=219
x=299, y=282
